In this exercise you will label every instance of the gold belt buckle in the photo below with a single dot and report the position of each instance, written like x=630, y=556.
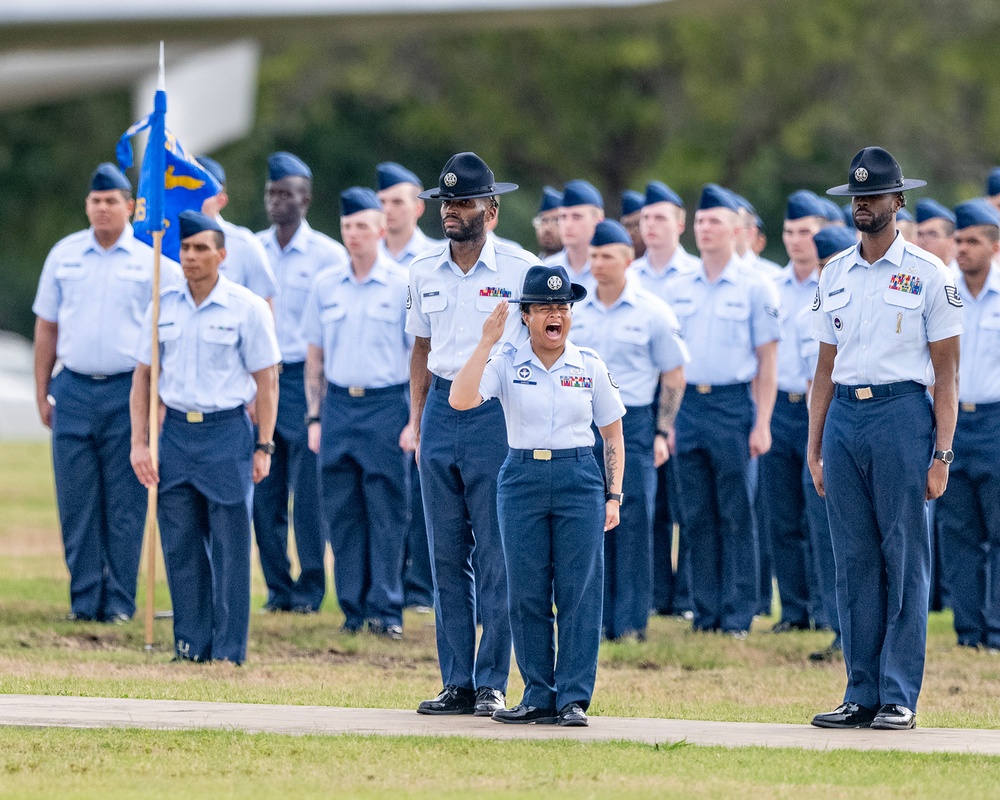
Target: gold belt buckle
x=195, y=416
x=967, y=407
x=541, y=455
x=794, y=397
x=703, y=388
x=356, y=391
x=864, y=393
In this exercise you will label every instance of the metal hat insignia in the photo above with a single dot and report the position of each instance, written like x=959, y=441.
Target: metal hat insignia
x=450, y=179
x=555, y=283
x=860, y=174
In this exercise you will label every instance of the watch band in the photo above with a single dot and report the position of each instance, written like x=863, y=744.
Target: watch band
x=947, y=456
x=614, y=496
x=265, y=447
x=311, y=420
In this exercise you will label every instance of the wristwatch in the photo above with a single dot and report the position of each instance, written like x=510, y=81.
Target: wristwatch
x=265, y=447
x=311, y=420
x=947, y=456
x=612, y=496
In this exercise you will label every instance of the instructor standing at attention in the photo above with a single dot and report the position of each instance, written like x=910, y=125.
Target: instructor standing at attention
x=553, y=503
x=886, y=313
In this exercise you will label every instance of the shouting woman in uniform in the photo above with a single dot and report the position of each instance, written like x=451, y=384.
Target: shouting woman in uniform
x=552, y=501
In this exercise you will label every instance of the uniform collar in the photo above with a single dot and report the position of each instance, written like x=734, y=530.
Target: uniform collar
x=992, y=284
x=299, y=242
x=627, y=297
x=571, y=357
x=415, y=245
x=676, y=263
x=219, y=294
x=125, y=242
x=894, y=255
x=788, y=277
x=379, y=272
x=487, y=257
x=730, y=272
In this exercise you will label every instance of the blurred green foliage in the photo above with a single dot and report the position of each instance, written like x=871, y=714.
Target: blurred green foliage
x=765, y=97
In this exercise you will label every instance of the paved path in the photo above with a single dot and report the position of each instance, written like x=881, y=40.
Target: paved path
x=97, y=712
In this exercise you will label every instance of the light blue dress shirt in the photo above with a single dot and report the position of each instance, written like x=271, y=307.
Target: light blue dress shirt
x=881, y=316
x=360, y=325
x=308, y=253
x=449, y=307
x=658, y=281
x=724, y=322
x=980, y=350
x=638, y=337
x=419, y=243
x=795, y=297
x=98, y=298
x=209, y=352
x=246, y=261
x=553, y=408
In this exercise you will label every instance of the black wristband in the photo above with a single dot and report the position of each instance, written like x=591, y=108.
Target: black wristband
x=662, y=433
x=311, y=420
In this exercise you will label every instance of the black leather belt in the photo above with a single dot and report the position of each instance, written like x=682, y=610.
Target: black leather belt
x=549, y=455
x=361, y=391
x=441, y=383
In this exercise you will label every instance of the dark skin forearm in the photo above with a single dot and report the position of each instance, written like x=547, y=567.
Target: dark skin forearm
x=420, y=382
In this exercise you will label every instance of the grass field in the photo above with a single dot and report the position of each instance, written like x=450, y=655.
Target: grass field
x=304, y=660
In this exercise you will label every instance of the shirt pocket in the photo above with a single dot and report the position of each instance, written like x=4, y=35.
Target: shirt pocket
x=70, y=271
x=433, y=301
x=332, y=314
x=833, y=308
x=734, y=319
x=168, y=334
x=902, y=315
x=220, y=342
x=631, y=335
x=383, y=312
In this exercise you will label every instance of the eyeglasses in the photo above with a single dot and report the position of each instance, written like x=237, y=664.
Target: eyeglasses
x=545, y=222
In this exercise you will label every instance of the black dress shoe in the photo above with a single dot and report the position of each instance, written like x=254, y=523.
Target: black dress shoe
x=377, y=628
x=829, y=653
x=525, y=715
x=892, y=717
x=847, y=715
x=453, y=700
x=572, y=716
x=787, y=627
x=489, y=700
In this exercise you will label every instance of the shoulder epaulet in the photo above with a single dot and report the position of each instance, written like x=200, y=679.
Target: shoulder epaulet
x=516, y=251
x=586, y=351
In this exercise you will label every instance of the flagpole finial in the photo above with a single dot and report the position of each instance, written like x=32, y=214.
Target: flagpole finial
x=161, y=84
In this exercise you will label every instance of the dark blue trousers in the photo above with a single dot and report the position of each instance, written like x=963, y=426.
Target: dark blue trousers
x=968, y=517
x=102, y=506
x=205, y=498
x=823, y=592
x=875, y=458
x=293, y=473
x=784, y=520
x=552, y=517
x=418, y=585
x=461, y=453
x=713, y=455
x=670, y=590
x=628, y=549
x=363, y=490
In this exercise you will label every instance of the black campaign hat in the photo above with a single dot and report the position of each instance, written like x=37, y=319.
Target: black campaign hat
x=466, y=177
x=875, y=171
x=550, y=285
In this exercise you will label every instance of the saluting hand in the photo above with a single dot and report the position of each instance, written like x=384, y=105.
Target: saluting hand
x=495, y=324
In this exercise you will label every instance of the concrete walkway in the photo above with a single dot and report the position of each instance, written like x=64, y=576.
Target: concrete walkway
x=97, y=712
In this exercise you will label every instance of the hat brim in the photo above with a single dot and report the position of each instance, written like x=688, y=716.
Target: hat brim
x=844, y=190
x=579, y=293
x=437, y=194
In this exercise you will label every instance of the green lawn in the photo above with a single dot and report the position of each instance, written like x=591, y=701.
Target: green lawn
x=304, y=660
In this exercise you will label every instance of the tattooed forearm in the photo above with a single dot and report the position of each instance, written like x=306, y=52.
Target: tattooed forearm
x=612, y=465
x=670, y=402
x=315, y=383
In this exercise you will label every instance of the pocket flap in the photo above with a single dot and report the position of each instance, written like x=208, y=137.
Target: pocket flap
x=894, y=297
x=836, y=298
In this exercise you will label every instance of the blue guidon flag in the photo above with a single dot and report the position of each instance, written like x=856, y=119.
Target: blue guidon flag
x=170, y=180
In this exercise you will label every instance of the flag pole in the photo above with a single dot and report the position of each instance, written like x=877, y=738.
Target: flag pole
x=154, y=373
